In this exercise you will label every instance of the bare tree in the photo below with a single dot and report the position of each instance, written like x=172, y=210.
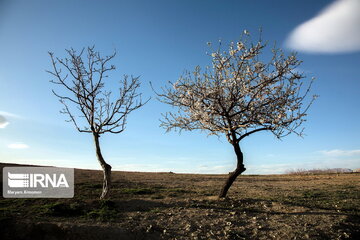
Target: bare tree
x=239, y=95
x=89, y=106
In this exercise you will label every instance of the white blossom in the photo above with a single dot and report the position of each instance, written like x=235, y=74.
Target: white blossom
x=240, y=94
x=240, y=45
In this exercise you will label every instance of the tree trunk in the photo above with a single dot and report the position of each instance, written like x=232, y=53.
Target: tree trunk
x=233, y=175
x=106, y=168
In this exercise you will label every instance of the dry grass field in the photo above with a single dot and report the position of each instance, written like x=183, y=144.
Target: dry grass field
x=184, y=206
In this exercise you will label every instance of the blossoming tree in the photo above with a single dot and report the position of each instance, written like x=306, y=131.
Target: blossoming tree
x=87, y=103
x=238, y=95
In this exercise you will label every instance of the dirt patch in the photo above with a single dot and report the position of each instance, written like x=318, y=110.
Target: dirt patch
x=185, y=206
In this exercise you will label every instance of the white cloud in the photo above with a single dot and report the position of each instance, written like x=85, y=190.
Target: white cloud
x=69, y=162
x=335, y=29
x=3, y=118
x=202, y=169
x=18, y=146
x=218, y=169
x=7, y=114
x=276, y=168
x=141, y=168
x=341, y=153
x=3, y=122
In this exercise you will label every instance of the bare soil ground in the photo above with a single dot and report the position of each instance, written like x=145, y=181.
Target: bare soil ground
x=185, y=206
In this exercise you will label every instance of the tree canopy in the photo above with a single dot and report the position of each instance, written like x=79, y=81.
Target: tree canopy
x=240, y=93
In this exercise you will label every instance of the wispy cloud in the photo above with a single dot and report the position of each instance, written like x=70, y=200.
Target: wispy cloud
x=334, y=30
x=275, y=168
x=218, y=169
x=142, y=168
x=340, y=153
x=18, y=145
x=3, y=122
x=205, y=169
x=8, y=114
x=3, y=118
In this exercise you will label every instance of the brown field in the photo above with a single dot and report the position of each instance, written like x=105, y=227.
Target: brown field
x=184, y=206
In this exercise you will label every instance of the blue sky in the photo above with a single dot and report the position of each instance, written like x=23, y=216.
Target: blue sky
x=158, y=40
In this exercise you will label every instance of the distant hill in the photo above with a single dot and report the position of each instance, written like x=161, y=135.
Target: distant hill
x=322, y=171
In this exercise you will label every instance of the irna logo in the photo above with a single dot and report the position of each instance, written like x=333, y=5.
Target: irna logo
x=38, y=182
x=23, y=180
